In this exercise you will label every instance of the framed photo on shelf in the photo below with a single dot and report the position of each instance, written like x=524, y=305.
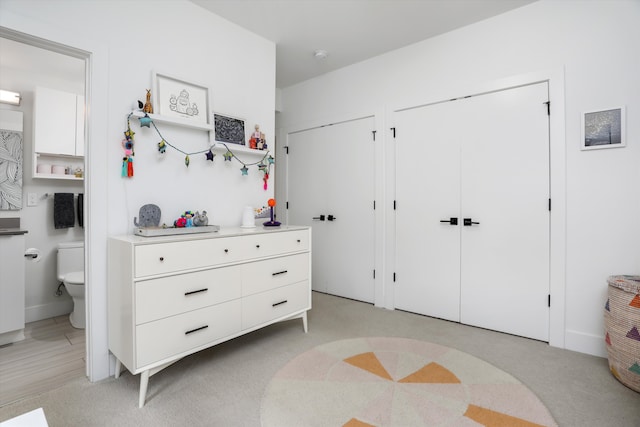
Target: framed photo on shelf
x=229, y=129
x=176, y=98
x=603, y=129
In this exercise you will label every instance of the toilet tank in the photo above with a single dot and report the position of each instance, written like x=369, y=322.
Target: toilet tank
x=70, y=258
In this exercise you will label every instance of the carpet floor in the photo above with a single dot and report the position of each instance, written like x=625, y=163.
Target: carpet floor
x=383, y=381
x=224, y=386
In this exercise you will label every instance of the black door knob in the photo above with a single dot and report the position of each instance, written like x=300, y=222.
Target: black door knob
x=452, y=221
x=321, y=217
x=468, y=222
x=331, y=218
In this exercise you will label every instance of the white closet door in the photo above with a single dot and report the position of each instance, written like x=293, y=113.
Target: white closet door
x=427, y=193
x=484, y=158
x=505, y=187
x=331, y=173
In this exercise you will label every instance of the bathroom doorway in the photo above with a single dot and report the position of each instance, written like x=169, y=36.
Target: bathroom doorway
x=29, y=62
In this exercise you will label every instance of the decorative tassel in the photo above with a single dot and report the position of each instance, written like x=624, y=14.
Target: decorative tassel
x=265, y=179
x=124, y=167
x=130, y=167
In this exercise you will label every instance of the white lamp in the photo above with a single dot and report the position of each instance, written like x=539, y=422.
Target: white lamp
x=9, y=97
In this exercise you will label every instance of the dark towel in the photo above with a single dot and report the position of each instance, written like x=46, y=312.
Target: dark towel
x=80, y=207
x=63, y=212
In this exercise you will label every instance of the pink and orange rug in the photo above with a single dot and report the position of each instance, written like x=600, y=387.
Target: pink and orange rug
x=397, y=382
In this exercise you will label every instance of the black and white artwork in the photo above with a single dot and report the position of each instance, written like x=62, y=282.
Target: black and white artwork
x=229, y=129
x=603, y=129
x=11, y=151
x=180, y=99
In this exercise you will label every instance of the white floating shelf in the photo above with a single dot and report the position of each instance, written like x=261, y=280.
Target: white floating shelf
x=176, y=121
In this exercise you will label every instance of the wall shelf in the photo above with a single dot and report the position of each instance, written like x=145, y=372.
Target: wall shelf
x=49, y=160
x=237, y=148
x=175, y=121
x=217, y=145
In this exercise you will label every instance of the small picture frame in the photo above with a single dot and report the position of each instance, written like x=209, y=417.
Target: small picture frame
x=180, y=99
x=603, y=129
x=229, y=129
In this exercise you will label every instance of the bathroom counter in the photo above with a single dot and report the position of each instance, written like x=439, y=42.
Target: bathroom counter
x=12, y=231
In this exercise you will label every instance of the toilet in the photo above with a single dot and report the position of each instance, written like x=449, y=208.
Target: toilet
x=71, y=273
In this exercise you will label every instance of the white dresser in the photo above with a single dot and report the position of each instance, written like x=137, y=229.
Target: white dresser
x=172, y=296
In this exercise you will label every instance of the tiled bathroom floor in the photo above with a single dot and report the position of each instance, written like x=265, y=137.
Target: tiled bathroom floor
x=52, y=353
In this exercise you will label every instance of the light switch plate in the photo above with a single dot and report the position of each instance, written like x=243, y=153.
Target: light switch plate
x=32, y=199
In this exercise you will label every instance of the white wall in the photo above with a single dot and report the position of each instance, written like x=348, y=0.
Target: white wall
x=596, y=43
x=41, y=280
x=177, y=38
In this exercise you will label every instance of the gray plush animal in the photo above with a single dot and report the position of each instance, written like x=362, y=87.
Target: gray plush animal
x=200, y=219
x=149, y=216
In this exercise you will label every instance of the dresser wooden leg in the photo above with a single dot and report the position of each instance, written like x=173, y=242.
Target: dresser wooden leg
x=304, y=322
x=118, y=368
x=144, y=382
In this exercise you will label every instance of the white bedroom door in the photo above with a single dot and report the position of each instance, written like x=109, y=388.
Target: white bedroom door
x=330, y=184
x=483, y=161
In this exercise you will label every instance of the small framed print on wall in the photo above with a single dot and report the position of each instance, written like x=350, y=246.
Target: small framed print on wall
x=603, y=129
x=229, y=129
x=180, y=99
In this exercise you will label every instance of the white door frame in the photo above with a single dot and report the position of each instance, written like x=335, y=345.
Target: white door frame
x=95, y=182
x=557, y=168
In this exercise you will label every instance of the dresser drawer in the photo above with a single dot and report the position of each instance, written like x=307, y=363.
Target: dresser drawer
x=270, y=244
x=179, y=256
x=273, y=273
x=270, y=305
x=168, y=296
x=178, y=334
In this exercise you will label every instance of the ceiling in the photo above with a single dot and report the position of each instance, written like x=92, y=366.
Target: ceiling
x=349, y=30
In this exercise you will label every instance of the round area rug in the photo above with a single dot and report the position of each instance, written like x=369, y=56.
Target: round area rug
x=397, y=382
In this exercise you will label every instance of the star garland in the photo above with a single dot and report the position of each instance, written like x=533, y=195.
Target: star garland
x=264, y=164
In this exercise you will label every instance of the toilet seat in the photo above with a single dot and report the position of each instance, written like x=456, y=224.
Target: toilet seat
x=74, y=278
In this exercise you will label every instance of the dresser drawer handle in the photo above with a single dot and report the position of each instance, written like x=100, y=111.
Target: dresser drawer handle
x=161, y=258
x=278, y=303
x=196, y=329
x=298, y=240
x=226, y=251
x=257, y=246
x=195, y=292
x=279, y=272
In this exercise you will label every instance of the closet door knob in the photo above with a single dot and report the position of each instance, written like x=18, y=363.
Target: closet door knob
x=452, y=221
x=468, y=222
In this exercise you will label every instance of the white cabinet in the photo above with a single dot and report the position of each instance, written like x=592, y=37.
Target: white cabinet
x=11, y=288
x=172, y=296
x=58, y=127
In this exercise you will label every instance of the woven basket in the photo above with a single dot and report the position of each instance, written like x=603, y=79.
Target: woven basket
x=622, y=327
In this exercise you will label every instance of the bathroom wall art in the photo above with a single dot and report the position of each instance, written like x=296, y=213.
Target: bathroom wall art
x=11, y=155
x=180, y=99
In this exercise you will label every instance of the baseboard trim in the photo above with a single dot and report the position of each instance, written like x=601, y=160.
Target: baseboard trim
x=585, y=343
x=47, y=311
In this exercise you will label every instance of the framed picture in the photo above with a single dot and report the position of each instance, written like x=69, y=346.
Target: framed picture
x=11, y=156
x=603, y=129
x=178, y=98
x=229, y=129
